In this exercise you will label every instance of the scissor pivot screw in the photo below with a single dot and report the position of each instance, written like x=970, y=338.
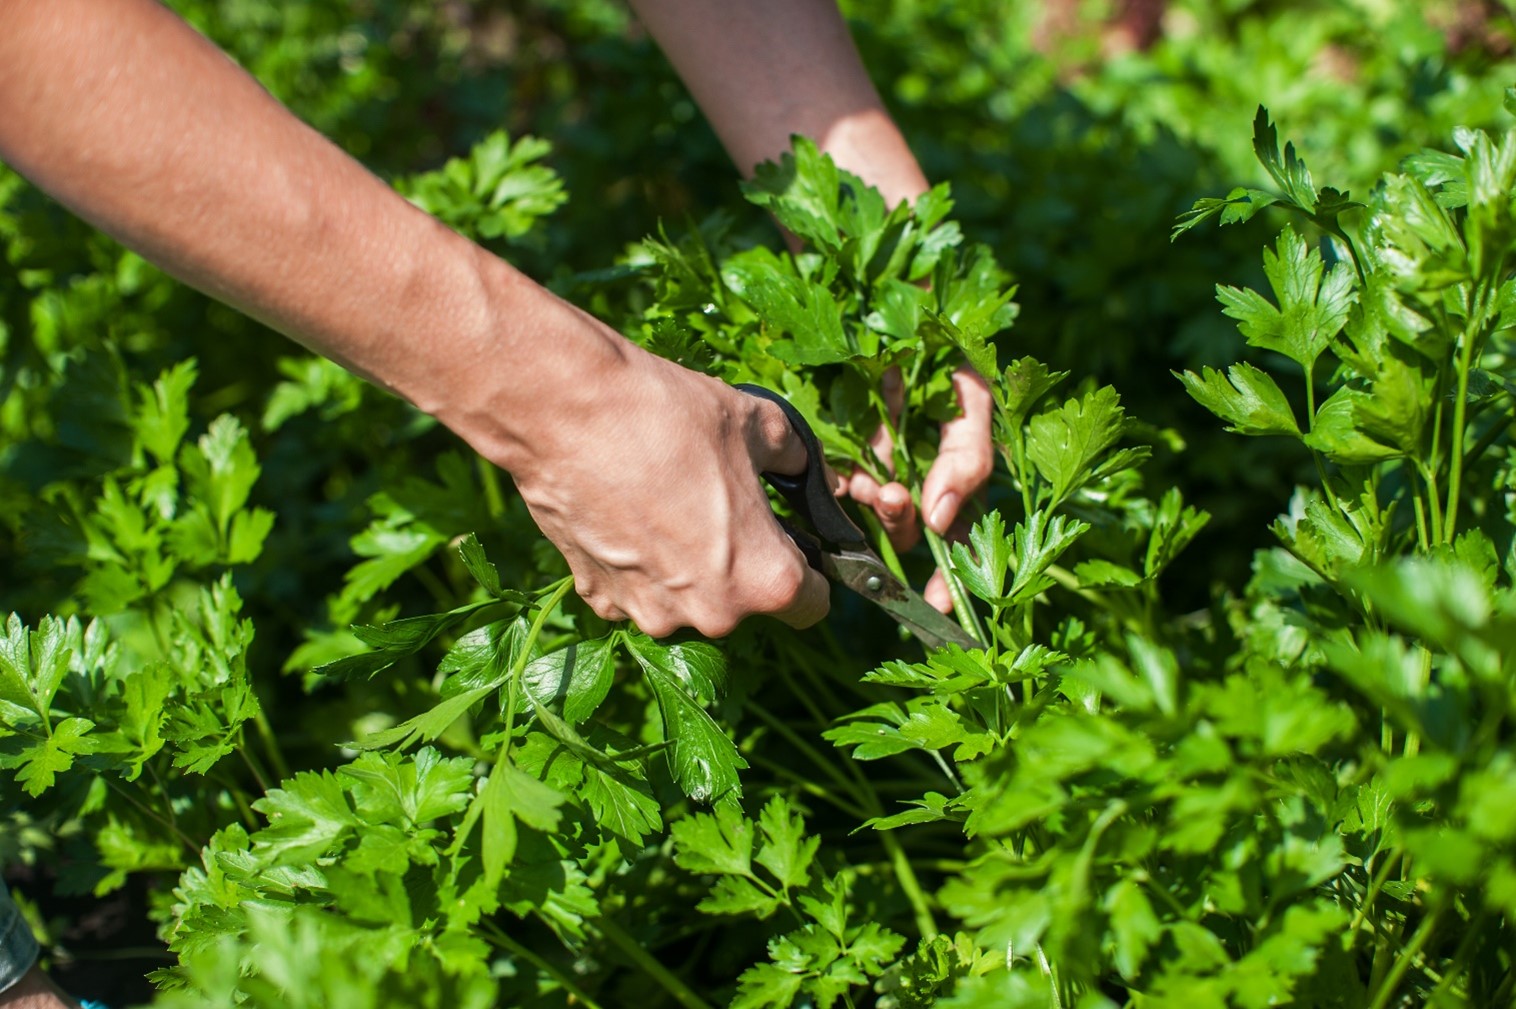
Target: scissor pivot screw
x=874, y=583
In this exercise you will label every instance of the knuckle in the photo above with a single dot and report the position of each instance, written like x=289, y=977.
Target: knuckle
x=716, y=625
x=657, y=626
x=980, y=469
x=780, y=588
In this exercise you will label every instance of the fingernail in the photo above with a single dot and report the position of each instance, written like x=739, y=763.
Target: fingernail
x=943, y=512
x=890, y=508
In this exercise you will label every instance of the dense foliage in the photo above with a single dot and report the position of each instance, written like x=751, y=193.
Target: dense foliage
x=1243, y=728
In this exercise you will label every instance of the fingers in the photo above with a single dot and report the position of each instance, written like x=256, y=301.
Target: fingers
x=809, y=600
x=772, y=442
x=966, y=455
x=791, y=592
x=937, y=594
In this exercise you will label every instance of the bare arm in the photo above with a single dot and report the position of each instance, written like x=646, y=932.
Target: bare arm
x=763, y=70
x=125, y=114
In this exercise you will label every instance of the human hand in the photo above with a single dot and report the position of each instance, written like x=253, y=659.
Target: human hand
x=647, y=480
x=965, y=458
x=35, y=991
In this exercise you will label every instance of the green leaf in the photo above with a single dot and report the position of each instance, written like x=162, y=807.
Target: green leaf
x=575, y=679
x=1239, y=206
x=982, y=566
x=798, y=312
x=930, y=808
x=1313, y=304
x=416, y=790
x=429, y=724
x=498, y=191
x=1337, y=434
x=509, y=795
x=220, y=469
x=1065, y=444
x=786, y=851
x=39, y=764
x=686, y=677
x=1022, y=385
x=739, y=896
x=622, y=804
x=397, y=639
x=720, y=843
x=307, y=816
x=479, y=565
x=1287, y=170
x=1246, y=398
x=1038, y=543
x=766, y=986
x=33, y=663
x=1174, y=526
x=803, y=190
x=161, y=418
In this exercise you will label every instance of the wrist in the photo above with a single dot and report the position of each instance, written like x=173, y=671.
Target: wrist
x=519, y=367
x=870, y=145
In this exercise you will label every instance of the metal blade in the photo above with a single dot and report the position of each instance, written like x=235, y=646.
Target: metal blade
x=866, y=575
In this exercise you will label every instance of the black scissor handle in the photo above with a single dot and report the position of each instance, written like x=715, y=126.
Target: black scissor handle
x=809, y=493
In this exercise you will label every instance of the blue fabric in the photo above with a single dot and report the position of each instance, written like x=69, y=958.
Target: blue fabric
x=18, y=950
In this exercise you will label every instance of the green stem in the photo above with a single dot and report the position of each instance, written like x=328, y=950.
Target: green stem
x=1418, y=505
x=882, y=544
x=962, y=608
x=804, y=784
x=1460, y=412
x=1413, y=738
x=1375, y=885
x=498, y=936
x=910, y=885
x=259, y=775
x=1402, y=963
x=1310, y=425
x=809, y=751
x=1018, y=451
x=1473, y=933
x=644, y=960
x=270, y=742
x=523, y=656
x=489, y=476
x=190, y=846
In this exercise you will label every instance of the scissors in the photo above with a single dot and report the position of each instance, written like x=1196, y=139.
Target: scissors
x=838, y=549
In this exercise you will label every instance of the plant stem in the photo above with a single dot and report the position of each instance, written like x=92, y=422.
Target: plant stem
x=1471, y=934
x=882, y=544
x=644, y=960
x=190, y=846
x=809, y=787
x=523, y=656
x=494, y=500
x=1310, y=425
x=1375, y=885
x=1418, y=505
x=270, y=742
x=1460, y=411
x=498, y=936
x=962, y=608
x=1418, y=941
x=794, y=739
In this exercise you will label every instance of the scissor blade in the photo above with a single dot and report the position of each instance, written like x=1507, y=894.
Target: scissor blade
x=866, y=575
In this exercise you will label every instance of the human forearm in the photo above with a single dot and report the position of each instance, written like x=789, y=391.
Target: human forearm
x=643, y=473
x=124, y=113
x=763, y=70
